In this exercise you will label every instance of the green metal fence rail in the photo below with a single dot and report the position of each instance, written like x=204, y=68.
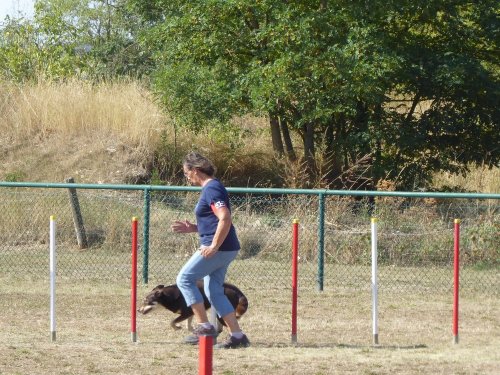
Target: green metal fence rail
x=415, y=234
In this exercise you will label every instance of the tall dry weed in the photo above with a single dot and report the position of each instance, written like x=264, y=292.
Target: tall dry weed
x=480, y=179
x=74, y=108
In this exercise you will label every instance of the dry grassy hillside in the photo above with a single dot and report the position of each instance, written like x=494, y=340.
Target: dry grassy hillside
x=115, y=132
x=107, y=133
x=93, y=133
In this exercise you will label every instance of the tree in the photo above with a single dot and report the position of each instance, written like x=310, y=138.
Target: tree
x=447, y=88
x=380, y=81
x=26, y=53
x=93, y=39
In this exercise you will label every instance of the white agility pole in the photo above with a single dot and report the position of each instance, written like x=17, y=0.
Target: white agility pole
x=52, y=267
x=374, y=281
x=133, y=294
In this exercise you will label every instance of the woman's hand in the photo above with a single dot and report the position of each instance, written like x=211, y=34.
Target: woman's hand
x=184, y=227
x=208, y=251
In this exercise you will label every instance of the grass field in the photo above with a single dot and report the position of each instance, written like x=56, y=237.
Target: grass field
x=334, y=333
x=116, y=133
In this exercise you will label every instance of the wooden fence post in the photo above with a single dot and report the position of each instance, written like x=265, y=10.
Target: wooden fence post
x=81, y=236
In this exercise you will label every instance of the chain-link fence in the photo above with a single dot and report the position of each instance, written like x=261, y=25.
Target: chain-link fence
x=415, y=235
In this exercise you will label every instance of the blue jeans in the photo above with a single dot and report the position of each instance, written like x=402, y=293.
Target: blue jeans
x=213, y=272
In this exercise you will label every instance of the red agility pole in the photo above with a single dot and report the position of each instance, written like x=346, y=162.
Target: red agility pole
x=133, y=304
x=456, y=279
x=295, y=258
x=374, y=232
x=205, y=354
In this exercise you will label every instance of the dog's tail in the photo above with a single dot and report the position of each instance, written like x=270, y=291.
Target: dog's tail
x=242, y=306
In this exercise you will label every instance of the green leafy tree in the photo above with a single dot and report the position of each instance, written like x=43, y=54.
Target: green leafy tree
x=93, y=39
x=18, y=49
x=26, y=52
x=409, y=87
x=441, y=112
x=103, y=34
x=299, y=63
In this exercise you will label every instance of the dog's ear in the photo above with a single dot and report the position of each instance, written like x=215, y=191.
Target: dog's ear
x=157, y=288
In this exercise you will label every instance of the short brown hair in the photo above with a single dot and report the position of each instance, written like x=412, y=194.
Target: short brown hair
x=194, y=160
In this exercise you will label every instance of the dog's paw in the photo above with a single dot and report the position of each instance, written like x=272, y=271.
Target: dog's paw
x=175, y=326
x=145, y=309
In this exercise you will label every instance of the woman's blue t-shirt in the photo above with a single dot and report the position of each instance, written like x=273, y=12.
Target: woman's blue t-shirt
x=214, y=195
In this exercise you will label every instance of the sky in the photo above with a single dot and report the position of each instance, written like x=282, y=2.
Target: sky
x=13, y=7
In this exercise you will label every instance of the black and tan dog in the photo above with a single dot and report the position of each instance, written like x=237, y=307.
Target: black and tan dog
x=172, y=299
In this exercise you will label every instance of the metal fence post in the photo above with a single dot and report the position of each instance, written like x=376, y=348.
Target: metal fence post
x=321, y=241
x=145, y=246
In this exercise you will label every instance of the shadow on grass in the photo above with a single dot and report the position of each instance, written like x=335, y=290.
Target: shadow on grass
x=338, y=346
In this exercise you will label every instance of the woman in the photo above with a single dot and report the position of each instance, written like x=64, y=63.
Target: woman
x=219, y=246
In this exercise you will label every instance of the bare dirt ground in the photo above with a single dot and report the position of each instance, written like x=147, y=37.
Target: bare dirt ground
x=334, y=333
x=88, y=159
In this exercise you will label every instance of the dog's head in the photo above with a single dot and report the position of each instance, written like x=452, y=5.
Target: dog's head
x=160, y=295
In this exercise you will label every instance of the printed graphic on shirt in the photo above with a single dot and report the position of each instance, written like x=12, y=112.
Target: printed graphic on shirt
x=216, y=205
x=220, y=204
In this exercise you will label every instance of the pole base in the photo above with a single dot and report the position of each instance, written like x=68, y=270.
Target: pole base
x=375, y=339
x=205, y=355
x=53, y=336
x=294, y=339
x=133, y=335
x=455, y=339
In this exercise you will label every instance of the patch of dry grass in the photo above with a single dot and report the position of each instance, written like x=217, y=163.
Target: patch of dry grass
x=111, y=132
x=75, y=108
x=480, y=179
x=334, y=334
x=94, y=133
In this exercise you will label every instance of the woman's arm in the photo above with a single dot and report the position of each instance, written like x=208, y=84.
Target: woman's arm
x=184, y=227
